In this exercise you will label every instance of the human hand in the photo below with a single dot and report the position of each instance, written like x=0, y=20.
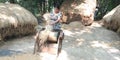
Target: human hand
x=52, y=23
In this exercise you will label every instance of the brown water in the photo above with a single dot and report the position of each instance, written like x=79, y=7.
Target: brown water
x=80, y=43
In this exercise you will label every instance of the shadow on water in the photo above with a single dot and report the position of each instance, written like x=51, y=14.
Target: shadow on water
x=92, y=43
x=8, y=52
x=14, y=46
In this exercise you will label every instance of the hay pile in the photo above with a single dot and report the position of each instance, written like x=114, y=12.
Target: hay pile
x=112, y=19
x=72, y=9
x=15, y=21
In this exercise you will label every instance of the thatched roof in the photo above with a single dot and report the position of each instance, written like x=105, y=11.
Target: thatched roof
x=15, y=20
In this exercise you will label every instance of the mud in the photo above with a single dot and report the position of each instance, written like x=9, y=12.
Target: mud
x=81, y=43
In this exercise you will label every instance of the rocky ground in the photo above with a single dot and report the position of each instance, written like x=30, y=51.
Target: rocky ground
x=81, y=43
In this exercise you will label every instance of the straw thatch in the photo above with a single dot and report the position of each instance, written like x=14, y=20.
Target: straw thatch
x=15, y=21
x=112, y=19
x=74, y=9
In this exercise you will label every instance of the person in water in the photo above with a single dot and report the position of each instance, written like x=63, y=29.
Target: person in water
x=56, y=17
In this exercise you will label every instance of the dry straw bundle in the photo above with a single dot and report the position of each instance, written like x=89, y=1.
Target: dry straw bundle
x=15, y=21
x=112, y=19
x=72, y=9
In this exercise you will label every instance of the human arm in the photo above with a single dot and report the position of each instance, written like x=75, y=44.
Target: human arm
x=58, y=18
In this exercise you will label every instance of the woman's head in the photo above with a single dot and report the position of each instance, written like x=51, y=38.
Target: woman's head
x=56, y=9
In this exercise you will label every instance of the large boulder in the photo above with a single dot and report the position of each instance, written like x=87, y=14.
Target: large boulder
x=15, y=20
x=78, y=10
x=112, y=19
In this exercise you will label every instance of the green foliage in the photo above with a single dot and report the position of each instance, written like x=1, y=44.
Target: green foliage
x=35, y=6
x=2, y=1
x=105, y=6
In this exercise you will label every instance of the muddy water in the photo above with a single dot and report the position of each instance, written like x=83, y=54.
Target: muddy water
x=22, y=48
x=80, y=43
x=17, y=46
